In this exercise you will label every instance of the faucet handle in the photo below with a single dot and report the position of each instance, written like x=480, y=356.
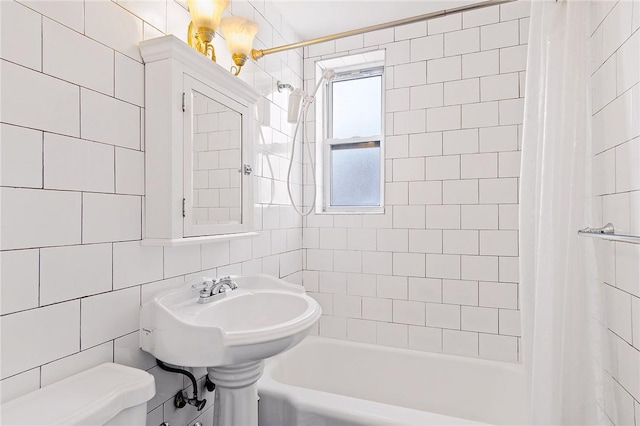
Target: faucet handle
x=202, y=284
x=227, y=280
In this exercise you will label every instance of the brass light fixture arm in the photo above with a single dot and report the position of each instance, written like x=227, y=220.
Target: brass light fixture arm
x=201, y=41
x=239, y=59
x=259, y=53
x=210, y=51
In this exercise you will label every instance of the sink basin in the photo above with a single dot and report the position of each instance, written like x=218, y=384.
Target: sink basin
x=261, y=318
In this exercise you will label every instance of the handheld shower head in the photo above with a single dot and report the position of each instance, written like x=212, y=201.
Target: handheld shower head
x=328, y=75
x=297, y=96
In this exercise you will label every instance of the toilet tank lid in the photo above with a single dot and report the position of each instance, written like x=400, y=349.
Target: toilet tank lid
x=93, y=396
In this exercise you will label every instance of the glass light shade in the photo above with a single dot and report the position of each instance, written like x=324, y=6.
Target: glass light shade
x=239, y=33
x=207, y=13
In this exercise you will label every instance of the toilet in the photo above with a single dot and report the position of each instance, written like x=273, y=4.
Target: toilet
x=106, y=395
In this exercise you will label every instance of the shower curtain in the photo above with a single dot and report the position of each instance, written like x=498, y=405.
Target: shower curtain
x=559, y=289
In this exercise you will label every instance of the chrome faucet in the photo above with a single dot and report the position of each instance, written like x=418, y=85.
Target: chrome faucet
x=220, y=285
x=210, y=287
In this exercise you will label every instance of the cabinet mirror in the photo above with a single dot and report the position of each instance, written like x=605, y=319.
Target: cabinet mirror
x=213, y=161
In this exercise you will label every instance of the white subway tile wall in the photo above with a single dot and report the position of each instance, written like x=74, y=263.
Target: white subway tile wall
x=438, y=270
x=72, y=150
x=615, y=48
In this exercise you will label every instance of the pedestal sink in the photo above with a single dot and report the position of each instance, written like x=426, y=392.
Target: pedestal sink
x=231, y=335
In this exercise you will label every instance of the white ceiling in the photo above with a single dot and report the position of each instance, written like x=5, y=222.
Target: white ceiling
x=315, y=18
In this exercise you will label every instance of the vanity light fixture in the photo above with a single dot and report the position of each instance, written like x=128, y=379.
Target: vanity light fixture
x=205, y=20
x=206, y=17
x=239, y=33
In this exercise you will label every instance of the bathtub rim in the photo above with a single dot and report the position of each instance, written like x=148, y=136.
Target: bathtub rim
x=516, y=367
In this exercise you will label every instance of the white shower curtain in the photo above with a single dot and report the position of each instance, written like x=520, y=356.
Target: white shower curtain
x=557, y=273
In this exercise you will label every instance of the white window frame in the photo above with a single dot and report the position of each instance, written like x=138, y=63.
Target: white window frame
x=364, y=71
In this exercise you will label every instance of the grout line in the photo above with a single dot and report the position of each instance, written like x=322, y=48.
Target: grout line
x=84, y=17
x=41, y=43
x=115, y=58
x=615, y=52
x=42, y=159
x=80, y=112
x=70, y=83
x=39, y=276
x=48, y=132
x=82, y=217
x=80, y=324
x=112, y=267
x=73, y=191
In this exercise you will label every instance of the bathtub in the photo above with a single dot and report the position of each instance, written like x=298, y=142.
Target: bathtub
x=333, y=382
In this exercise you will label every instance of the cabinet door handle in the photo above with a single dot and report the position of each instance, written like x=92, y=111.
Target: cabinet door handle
x=247, y=169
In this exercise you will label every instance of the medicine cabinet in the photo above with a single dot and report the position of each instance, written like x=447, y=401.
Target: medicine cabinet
x=199, y=130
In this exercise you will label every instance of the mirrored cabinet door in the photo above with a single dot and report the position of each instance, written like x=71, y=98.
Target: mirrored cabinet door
x=214, y=172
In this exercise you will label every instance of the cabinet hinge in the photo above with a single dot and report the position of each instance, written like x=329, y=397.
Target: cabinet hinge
x=184, y=207
x=184, y=95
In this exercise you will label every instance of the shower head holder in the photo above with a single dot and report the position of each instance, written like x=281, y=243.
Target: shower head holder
x=282, y=85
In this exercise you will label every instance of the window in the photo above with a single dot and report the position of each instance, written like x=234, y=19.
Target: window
x=353, y=149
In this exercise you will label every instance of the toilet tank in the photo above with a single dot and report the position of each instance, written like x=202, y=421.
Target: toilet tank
x=109, y=394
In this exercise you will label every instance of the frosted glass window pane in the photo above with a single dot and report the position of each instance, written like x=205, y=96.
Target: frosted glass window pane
x=355, y=174
x=357, y=107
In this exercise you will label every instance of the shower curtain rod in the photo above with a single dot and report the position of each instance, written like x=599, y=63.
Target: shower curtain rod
x=259, y=53
x=608, y=232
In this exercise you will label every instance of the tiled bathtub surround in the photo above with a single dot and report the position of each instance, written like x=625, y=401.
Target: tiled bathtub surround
x=439, y=270
x=615, y=42
x=72, y=137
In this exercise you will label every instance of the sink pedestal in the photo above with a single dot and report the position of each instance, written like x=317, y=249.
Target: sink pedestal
x=236, y=398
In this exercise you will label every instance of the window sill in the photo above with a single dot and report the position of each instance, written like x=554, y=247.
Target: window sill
x=376, y=210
